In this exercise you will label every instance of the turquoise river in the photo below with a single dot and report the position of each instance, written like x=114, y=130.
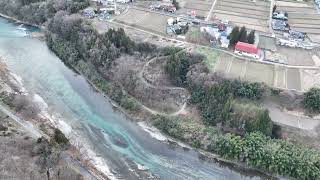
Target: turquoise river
x=93, y=118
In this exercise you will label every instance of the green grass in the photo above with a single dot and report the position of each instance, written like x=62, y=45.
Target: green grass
x=211, y=56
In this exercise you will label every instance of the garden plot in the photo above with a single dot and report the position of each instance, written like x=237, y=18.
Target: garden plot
x=238, y=68
x=293, y=79
x=303, y=16
x=257, y=72
x=280, y=77
x=253, y=15
x=145, y=20
x=224, y=63
x=297, y=56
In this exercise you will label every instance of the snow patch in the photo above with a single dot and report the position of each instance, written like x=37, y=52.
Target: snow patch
x=40, y=102
x=154, y=133
x=19, y=82
x=64, y=127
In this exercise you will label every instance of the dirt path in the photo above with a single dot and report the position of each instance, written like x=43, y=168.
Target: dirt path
x=144, y=81
x=289, y=118
x=182, y=109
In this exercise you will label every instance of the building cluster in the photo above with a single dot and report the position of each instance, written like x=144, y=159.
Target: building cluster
x=102, y=14
x=177, y=26
x=219, y=37
x=218, y=34
x=291, y=38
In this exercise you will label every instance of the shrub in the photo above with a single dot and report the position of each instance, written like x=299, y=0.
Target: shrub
x=129, y=103
x=60, y=138
x=311, y=100
x=169, y=126
x=250, y=118
x=248, y=90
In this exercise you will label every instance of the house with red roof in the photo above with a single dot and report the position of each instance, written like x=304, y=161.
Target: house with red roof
x=245, y=49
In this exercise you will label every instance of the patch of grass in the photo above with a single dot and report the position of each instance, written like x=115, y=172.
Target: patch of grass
x=197, y=37
x=211, y=56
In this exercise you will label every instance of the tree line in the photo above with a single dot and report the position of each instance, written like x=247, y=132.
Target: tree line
x=240, y=34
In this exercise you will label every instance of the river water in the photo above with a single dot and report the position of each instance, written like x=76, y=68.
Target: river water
x=89, y=114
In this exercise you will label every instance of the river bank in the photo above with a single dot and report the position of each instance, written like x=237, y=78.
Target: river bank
x=42, y=124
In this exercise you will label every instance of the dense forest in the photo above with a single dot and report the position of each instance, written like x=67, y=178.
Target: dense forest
x=39, y=11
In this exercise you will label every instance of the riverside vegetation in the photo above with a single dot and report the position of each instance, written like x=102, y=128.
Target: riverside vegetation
x=232, y=125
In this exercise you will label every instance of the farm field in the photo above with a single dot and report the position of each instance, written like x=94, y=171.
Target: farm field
x=153, y=22
x=296, y=56
x=253, y=15
x=300, y=79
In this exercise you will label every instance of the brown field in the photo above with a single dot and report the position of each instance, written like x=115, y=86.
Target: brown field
x=293, y=79
x=253, y=15
x=145, y=20
x=270, y=74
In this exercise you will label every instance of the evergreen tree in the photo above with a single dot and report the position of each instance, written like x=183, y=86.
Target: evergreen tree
x=176, y=4
x=274, y=8
x=234, y=36
x=243, y=34
x=251, y=37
